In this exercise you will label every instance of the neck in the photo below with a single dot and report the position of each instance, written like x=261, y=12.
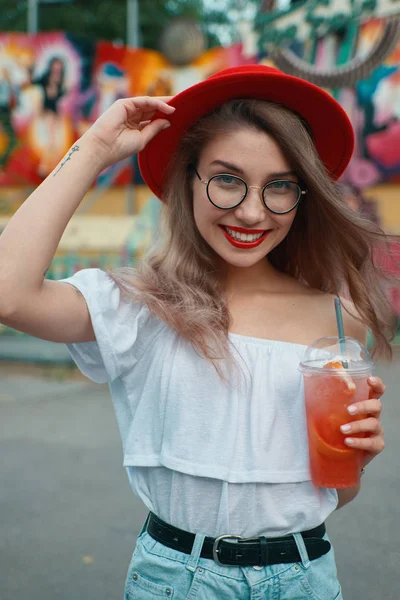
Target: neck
x=246, y=280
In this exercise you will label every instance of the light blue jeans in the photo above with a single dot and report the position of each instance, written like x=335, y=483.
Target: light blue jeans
x=157, y=571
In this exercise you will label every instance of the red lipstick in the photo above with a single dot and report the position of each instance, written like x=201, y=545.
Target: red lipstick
x=241, y=230
x=245, y=245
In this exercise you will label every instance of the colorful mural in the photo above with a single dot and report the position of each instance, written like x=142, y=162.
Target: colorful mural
x=54, y=85
x=372, y=106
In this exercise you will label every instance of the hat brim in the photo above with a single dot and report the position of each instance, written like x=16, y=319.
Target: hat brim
x=330, y=125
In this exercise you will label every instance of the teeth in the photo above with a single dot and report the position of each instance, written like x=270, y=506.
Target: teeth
x=244, y=237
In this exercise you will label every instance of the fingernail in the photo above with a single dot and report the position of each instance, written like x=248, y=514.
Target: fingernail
x=345, y=428
x=373, y=380
x=166, y=126
x=349, y=441
x=352, y=409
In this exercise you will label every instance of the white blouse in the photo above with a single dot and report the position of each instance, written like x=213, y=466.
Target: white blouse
x=204, y=455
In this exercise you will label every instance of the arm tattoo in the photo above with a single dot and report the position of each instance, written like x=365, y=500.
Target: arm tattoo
x=73, y=149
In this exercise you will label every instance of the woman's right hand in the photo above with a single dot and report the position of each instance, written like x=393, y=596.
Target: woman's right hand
x=125, y=128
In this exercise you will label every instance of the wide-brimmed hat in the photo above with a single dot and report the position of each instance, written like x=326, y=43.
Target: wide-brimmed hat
x=331, y=128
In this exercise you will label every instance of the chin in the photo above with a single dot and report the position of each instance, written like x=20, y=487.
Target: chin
x=241, y=260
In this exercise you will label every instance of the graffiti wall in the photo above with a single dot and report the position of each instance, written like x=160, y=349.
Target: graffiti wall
x=54, y=85
x=374, y=108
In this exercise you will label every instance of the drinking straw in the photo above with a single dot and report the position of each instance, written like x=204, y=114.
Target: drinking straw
x=339, y=321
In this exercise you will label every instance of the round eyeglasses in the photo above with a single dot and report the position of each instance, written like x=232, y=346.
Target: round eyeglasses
x=226, y=191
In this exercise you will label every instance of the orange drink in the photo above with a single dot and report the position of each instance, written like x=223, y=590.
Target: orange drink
x=329, y=388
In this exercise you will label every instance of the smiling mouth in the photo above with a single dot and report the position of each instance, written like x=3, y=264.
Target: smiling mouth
x=240, y=239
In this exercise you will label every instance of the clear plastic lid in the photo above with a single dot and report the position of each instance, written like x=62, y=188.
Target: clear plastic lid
x=349, y=353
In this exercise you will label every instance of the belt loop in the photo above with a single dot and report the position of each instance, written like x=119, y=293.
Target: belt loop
x=196, y=551
x=144, y=528
x=301, y=547
x=264, y=550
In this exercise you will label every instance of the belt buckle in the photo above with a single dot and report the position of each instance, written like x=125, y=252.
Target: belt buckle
x=216, y=544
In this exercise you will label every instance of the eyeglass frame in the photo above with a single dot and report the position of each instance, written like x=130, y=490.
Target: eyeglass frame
x=255, y=187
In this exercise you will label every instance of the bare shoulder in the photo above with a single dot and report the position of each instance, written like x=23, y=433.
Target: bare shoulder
x=321, y=306
x=301, y=314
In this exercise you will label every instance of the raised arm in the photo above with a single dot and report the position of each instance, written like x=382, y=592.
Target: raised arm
x=54, y=310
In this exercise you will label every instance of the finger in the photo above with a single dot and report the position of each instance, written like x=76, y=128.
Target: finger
x=374, y=444
x=377, y=387
x=371, y=425
x=143, y=124
x=147, y=103
x=146, y=115
x=152, y=129
x=372, y=406
x=163, y=98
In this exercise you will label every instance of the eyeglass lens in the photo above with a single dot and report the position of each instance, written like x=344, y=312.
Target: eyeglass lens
x=226, y=191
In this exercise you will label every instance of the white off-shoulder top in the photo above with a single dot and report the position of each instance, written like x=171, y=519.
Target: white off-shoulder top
x=204, y=455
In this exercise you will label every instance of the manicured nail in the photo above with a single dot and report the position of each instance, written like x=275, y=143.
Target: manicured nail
x=352, y=409
x=345, y=428
x=349, y=441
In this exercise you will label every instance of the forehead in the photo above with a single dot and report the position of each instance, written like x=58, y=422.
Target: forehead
x=247, y=147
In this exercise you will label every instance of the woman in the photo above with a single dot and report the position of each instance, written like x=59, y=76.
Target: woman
x=200, y=345
x=50, y=129
x=7, y=103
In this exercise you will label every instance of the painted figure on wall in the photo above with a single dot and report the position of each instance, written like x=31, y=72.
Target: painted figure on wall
x=8, y=137
x=49, y=125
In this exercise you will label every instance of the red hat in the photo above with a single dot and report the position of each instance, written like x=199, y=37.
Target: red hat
x=330, y=125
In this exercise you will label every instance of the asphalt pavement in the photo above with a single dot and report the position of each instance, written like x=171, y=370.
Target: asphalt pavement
x=69, y=520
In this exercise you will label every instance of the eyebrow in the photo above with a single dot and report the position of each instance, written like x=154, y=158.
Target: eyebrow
x=232, y=167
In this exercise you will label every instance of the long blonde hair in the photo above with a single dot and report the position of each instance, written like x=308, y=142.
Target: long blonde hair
x=329, y=247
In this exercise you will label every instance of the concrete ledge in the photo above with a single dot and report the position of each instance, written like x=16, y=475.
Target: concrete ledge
x=32, y=350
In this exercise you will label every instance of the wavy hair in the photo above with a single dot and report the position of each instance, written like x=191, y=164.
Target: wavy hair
x=329, y=247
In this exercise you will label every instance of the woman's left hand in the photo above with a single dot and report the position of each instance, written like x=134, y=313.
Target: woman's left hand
x=373, y=443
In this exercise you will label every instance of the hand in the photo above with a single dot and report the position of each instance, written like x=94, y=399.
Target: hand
x=373, y=443
x=125, y=128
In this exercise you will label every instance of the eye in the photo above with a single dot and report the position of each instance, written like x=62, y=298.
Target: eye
x=279, y=184
x=227, y=181
x=281, y=187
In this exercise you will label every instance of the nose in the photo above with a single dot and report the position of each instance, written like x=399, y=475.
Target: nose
x=252, y=209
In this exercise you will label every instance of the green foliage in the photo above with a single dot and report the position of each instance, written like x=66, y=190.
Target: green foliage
x=154, y=15
x=106, y=19
x=102, y=19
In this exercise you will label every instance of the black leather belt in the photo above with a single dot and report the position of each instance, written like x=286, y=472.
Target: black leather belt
x=242, y=552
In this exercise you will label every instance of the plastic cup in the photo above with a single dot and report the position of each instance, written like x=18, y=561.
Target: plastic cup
x=335, y=376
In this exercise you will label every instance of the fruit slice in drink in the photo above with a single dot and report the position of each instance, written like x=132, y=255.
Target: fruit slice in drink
x=327, y=400
x=335, y=372
x=328, y=439
x=348, y=385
